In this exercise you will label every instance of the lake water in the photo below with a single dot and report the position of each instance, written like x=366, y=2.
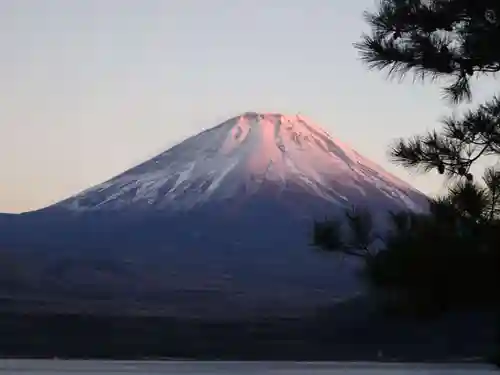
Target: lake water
x=53, y=367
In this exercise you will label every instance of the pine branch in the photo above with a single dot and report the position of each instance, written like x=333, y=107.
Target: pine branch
x=459, y=144
x=491, y=180
x=434, y=38
x=358, y=240
x=459, y=90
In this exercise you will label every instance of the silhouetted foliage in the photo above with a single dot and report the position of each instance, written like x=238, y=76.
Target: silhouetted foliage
x=442, y=260
x=449, y=258
x=460, y=143
x=452, y=39
x=449, y=39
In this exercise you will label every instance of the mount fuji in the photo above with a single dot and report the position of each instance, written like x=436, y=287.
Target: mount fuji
x=218, y=225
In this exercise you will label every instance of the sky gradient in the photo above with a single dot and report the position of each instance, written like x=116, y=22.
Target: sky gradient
x=90, y=88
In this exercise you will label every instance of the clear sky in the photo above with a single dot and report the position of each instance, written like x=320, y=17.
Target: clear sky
x=89, y=88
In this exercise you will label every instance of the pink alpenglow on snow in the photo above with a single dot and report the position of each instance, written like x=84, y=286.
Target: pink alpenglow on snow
x=246, y=154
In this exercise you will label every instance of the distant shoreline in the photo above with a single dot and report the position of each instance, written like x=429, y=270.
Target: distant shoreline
x=359, y=362
x=333, y=338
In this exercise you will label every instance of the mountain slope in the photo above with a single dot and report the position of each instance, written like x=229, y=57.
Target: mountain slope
x=244, y=155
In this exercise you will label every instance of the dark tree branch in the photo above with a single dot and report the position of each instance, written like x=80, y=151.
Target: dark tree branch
x=434, y=38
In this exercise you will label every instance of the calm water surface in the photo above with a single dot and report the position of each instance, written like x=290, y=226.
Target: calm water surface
x=59, y=367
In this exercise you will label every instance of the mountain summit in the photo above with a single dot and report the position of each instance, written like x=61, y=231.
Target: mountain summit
x=244, y=156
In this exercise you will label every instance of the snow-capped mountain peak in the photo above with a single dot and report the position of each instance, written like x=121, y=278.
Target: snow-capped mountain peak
x=243, y=155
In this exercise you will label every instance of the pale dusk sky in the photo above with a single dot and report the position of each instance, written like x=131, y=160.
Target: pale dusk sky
x=90, y=88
